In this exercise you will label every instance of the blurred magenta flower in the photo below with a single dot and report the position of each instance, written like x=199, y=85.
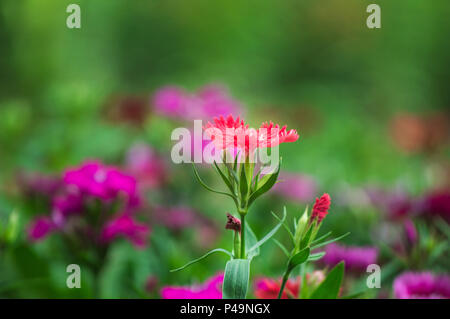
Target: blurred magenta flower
x=40, y=228
x=175, y=218
x=126, y=226
x=424, y=285
x=268, y=288
x=211, y=289
x=87, y=204
x=436, y=204
x=95, y=179
x=38, y=184
x=395, y=204
x=295, y=187
x=356, y=258
x=209, y=101
x=142, y=161
x=410, y=232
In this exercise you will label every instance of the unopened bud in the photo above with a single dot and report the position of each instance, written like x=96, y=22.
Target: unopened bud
x=301, y=226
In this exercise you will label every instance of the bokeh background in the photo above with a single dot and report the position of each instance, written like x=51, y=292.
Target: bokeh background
x=371, y=107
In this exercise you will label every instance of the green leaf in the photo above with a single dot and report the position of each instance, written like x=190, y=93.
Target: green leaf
x=264, y=185
x=305, y=240
x=284, y=225
x=329, y=241
x=269, y=234
x=318, y=240
x=12, y=230
x=203, y=257
x=225, y=179
x=329, y=288
x=235, y=281
x=250, y=241
x=243, y=185
x=298, y=259
x=316, y=256
x=209, y=188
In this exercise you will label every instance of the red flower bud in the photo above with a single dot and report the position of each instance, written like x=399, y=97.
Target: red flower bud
x=320, y=208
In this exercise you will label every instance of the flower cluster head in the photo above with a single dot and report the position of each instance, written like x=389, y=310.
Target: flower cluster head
x=320, y=208
x=211, y=289
x=424, y=285
x=231, y=133
x=207, y=102
x=103, y=182
x=356, y=258
x=95, y=201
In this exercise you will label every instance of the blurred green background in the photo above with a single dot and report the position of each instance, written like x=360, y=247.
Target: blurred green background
x=313, y=65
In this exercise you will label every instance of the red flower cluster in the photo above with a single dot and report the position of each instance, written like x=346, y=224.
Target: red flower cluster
x=320, y=208
x=230, y=133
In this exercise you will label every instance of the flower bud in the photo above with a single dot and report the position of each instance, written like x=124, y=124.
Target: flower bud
x=300, y=229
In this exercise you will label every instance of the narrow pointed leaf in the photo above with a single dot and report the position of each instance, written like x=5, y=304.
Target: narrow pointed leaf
x=329, y=241
x=264, y=185
x=269, y=234
x=225, y=179
x=209, y=188
x=217, y=250
x=284, y=225
x=250, y=241
x=243, y=183
x=318, y=240
x=316, y=256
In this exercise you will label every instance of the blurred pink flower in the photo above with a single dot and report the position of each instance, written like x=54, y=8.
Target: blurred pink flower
x=207, y=102
x=211, y=289
x=424, y=285
x=435, y=204
x=175, y=218
x=39, y=184
x=355, y=258
x=410, y=232
x=93, y=178
x=39, y=228
x=295, y=187
x=126, y=226
x=146, y=165
x=396, y=204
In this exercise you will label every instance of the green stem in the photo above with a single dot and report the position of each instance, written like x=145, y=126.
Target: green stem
x=243, y=236
x=283, y=283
